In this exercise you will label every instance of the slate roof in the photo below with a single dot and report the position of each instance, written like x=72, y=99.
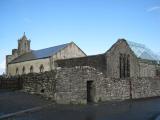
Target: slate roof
x=38, y=54
x=141, y=51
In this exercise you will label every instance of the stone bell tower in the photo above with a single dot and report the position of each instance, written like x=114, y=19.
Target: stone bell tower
x=23, y=45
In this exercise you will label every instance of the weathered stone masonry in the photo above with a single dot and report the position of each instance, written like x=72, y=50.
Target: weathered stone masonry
x=69, y=76
x=69, y=85
x=96, y=61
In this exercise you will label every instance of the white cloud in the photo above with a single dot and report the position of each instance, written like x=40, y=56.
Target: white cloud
x=155, y=8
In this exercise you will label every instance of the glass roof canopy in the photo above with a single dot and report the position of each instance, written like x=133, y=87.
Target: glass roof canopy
x=141, y=51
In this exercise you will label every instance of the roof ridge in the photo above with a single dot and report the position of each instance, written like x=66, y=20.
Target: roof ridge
x=39, y=54
x=52, y=47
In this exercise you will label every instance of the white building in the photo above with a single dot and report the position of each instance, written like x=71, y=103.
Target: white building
x=24, y=60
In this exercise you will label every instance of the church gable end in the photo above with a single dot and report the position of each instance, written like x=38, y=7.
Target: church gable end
x=121, y=61
x=69, y=51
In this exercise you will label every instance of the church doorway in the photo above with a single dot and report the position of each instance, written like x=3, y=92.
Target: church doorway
x=90, y=92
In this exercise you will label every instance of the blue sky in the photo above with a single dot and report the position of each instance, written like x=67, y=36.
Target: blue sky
x=94, y=25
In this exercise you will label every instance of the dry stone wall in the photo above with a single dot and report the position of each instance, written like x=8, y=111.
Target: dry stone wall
x=40, y=83
x=69, y=85
x=116, y=89
x=72, y=84
x=145, y=87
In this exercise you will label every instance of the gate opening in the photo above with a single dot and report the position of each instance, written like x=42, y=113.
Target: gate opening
x=90, y=92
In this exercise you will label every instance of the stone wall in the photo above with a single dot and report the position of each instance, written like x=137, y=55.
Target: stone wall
x=72, y=84
x=40, y=83
x=147, y=69
x=69, y=85
x=116, y=89
x=145, y=87
x=96, y=61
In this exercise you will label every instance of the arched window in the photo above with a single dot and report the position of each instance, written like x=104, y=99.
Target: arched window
x=17, y=72
x=23, y=70
x=120, y=66
x=31, y=69
x=41, y=68
x=157, y=72
x=124, y=63
x=128, y=65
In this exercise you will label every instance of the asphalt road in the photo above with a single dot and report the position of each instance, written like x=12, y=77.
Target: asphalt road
x=127, y=110
x=144, y=109
x=13, y=101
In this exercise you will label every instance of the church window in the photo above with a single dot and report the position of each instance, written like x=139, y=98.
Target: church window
x=128, y=65
x=157, y=72
x=31, y=69
x=23, y=47
x=17, y=72
x=23, y=70
x=41, y=68
x=124, y=65
x=120, y=65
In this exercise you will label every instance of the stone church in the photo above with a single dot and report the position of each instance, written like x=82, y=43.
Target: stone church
x=123, y=59
x=24, y=60
x=128, y=70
